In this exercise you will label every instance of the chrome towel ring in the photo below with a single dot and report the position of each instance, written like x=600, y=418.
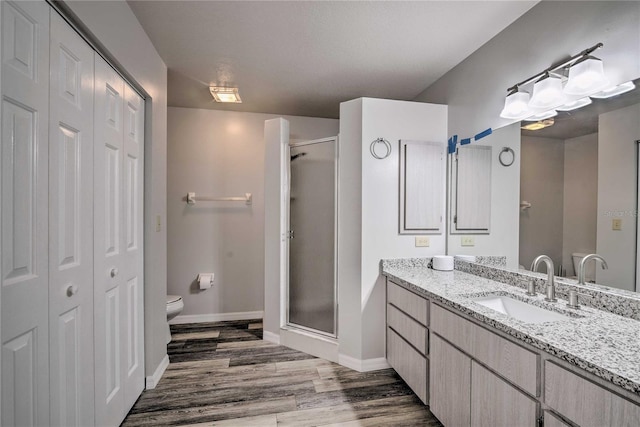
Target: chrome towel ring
x=376, y=154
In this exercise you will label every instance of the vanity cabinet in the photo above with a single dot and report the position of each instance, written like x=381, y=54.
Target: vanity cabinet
x=464, y=388
x=584, y=402
x=407, y=338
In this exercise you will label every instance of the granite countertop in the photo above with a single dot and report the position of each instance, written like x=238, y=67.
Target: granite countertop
x=599, y=342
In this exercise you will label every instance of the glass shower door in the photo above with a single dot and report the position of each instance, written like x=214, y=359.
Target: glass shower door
x=312, y=236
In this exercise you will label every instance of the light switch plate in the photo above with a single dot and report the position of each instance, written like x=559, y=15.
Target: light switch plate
x=467, y=241
x=422, y=241
x=616, y=224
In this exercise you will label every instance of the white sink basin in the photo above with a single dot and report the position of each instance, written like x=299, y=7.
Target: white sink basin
x=519, y=309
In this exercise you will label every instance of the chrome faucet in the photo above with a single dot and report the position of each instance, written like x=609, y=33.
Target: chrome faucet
x=551, y=286
x=583, y=263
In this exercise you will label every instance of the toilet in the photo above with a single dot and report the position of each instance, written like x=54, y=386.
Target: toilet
x=174, y=307
x=589, y=270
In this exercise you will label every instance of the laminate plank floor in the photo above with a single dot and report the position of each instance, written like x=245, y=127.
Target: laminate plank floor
x=224, y=374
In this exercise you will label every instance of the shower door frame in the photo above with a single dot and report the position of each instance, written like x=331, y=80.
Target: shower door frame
x=336, y=159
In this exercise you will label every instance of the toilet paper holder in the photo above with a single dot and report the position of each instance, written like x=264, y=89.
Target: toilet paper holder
x=205, y=280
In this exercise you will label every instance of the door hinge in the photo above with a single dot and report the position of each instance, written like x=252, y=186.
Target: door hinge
x=290, y=234
x=455, y=219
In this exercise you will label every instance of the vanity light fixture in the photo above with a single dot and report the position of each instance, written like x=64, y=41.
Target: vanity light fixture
x=574, y=105
x=586, y=76
x=580, y=75
x=615, y=90
x=539, y=125
x=547, y=92
x=225, y=94
x=516, y=105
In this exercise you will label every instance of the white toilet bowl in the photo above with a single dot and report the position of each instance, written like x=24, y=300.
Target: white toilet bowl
x=174, y=307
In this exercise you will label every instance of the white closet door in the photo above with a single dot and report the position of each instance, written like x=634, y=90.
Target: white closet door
x=109, y=245
x=132, y=267
x=24, y=195
x=71, y=227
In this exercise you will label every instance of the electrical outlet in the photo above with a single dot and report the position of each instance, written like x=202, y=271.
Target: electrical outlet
x=422, y=241
x=616, y=224
x=467, y=241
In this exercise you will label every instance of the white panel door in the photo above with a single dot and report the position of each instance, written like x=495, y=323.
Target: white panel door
x=109, y=244
x=70, y=227
x=24, y=195
x=132, y=266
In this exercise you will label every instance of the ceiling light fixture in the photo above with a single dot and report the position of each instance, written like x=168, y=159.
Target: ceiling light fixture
x=615, y=90
x=582, y=73
x=225, y=94
x=539, y=125
x=574, y=105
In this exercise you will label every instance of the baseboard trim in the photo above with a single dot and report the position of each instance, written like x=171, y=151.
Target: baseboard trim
x=361, y=365
x=216, y=317
x=271, y=337
x=152, y=381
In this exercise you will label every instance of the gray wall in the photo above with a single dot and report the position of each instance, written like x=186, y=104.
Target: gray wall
x=121, y=35
x=617, y=181
x=221, y=154
x=580, y=198
x=542, y=185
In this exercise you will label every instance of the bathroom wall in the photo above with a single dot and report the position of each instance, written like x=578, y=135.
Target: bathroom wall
x=221, y=153
x=116, y=29
x=542, y=185
x=617, y=187
x=580, y=198
x=368, y=218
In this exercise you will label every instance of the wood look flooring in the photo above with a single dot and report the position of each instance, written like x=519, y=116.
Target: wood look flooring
x=224, y=374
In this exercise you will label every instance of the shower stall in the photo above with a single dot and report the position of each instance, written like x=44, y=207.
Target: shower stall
x=312, y=248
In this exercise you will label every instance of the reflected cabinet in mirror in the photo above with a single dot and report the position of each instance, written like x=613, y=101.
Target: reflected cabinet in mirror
x=471, y=190
x=579, y=189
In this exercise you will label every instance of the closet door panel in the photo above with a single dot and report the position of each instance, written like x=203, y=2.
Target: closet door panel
x=108, y=247
x=71, y=227
x=23, y=223
x=133, y=322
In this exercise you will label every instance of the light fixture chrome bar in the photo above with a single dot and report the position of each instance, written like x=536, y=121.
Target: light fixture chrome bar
x=555, y=67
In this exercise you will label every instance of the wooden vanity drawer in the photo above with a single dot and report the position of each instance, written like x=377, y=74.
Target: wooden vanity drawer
x=515, y=363
x=412, y=304
x=584, y=402
x=409, y=364
x=409, y=329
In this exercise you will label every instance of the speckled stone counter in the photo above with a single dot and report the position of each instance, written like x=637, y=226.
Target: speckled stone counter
x=599, y=342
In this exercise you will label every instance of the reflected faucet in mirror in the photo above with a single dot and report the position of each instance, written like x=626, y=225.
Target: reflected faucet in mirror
x=551, y=286
x=584, y=261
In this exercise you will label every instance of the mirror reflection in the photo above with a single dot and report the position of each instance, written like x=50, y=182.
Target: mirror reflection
x=579, y=189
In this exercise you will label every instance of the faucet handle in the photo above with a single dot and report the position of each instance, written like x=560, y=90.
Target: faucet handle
x=573, y=299
x=531, y=288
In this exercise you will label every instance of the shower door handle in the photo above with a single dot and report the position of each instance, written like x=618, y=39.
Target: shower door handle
x=290, y=234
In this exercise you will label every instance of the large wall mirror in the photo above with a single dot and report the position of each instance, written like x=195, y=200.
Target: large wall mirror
x=579, y=189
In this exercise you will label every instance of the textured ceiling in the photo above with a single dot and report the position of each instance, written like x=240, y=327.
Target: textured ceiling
x=305, y=57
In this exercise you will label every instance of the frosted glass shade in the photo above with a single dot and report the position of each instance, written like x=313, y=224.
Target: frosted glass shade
x=574, y=105
x=586, y=77
x=516, y=106
x=542, y=116
x=615, y=91
x=547, y=93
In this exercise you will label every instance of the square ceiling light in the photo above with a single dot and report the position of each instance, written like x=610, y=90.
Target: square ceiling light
x=225, y=94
